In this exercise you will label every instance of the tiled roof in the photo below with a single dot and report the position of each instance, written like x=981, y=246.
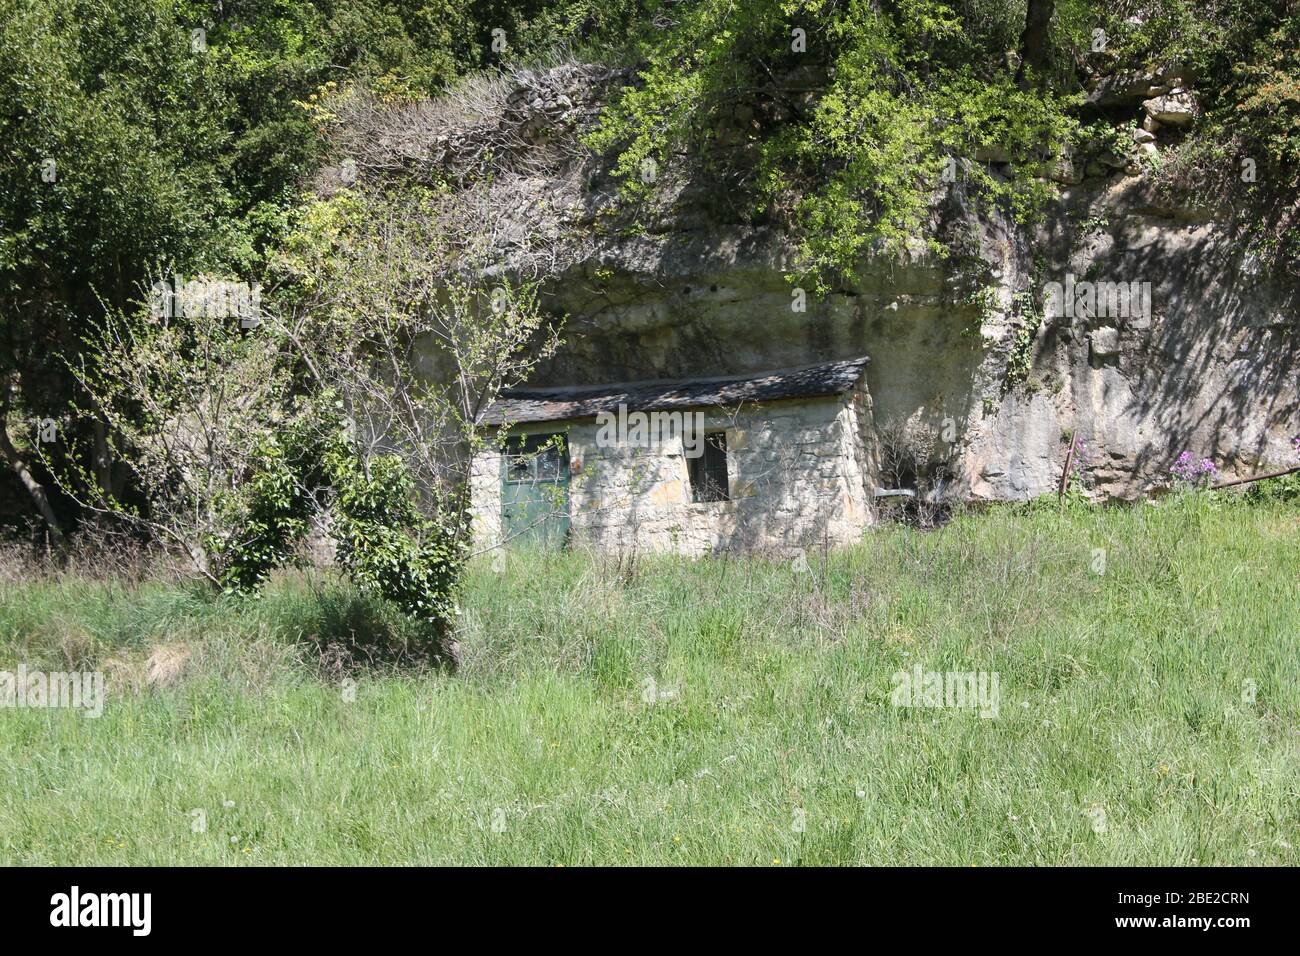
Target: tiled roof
x=523, y=405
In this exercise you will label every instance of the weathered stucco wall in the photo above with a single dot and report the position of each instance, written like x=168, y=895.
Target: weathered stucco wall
x=800, y=476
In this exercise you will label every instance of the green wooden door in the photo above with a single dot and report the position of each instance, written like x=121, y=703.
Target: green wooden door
x=535, y=490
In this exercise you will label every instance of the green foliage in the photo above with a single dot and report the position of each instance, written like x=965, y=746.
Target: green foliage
x=309, y=467
x=276, y=517
x=234, y=462
x=1245, y=58
x=188, y=403
x=385, y=541
x=1261, y=112
x=111, y=133
x=1021, y=360
x=270, y=512
x=848, y=138
x=1284, y=489
x=389, y=547
x=175, y=155
x=172, y=157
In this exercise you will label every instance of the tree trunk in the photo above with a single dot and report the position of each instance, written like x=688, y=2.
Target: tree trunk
x=105, y=472
x=1035, y=46
x=34, y=487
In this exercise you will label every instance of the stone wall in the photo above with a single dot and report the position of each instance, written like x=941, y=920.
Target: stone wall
x=801, y=476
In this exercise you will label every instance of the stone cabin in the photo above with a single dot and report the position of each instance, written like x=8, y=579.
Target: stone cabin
x=775, y=461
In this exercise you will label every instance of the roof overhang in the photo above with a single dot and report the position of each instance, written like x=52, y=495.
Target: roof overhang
x=520, y=406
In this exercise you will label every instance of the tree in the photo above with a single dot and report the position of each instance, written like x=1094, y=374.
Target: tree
x=841, y=137
x=142, y=136
x=412, y=322
x=360, y=395
x=1035, y=43
x=109, y=168
x=195, y=405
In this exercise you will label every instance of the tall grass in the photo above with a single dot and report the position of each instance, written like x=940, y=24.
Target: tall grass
x=665, y=711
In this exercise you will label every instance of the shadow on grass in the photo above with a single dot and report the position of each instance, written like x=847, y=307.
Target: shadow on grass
x=348, y=633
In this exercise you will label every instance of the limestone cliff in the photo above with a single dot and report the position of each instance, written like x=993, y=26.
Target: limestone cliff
x=961, y=352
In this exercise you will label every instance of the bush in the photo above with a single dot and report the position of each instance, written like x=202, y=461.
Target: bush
x=1283, y=490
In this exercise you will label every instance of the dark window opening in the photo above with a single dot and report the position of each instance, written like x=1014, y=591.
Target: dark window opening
x=532, y=458
x=709, y=471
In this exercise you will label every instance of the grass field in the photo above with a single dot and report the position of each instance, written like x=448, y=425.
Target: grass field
x=674, y=712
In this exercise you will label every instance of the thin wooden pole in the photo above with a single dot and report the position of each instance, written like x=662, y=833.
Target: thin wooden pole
x=1065, y=473
x=1246, y=481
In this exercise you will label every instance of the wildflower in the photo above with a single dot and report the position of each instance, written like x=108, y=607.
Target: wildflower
x=1187, y=471
x=1081, y=460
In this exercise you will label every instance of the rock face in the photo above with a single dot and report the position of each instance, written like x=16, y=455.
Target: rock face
x=1212, y=368
x=1178, y=108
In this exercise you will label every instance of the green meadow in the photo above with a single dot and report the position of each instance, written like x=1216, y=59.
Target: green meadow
x=663, y=711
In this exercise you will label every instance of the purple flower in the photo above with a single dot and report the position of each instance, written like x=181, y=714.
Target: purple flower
x=1080, y=458
x=1190, y=472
